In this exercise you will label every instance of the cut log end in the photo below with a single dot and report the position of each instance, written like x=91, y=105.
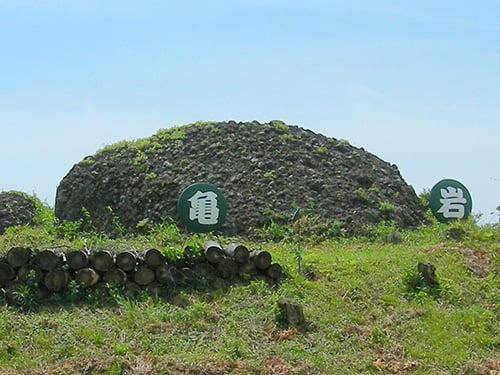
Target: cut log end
x=56, y=280
x=126, y=260
x=237, y=252
x=153, y=258
x=115, y=276
x=144, y=275
x=87, y=276
x=77, y=259
x=48, y=260
x=261, y=258
x=7, y=274
x=19, y=256
x=102, y=260
x=275, y=271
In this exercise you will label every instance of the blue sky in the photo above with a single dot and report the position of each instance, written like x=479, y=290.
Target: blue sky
x=415, y=83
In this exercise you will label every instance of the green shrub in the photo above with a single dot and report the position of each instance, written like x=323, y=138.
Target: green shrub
x=386, y=207
x=362, y=194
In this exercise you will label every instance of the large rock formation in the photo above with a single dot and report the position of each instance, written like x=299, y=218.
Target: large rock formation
x=16, y=208
x=263, y=170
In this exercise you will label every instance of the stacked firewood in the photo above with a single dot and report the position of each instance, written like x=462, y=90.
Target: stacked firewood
x=53, y=270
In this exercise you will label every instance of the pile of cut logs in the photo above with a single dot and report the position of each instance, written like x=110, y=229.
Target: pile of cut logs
x=149, y=270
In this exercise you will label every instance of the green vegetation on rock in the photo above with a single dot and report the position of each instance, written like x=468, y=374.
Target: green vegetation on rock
x=150, y=145
x=257, y=166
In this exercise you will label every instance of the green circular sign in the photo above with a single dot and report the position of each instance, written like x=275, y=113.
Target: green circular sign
x=202, y=208
x=450, y=200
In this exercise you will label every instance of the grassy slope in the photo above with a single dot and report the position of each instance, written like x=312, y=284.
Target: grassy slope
x=361, y=317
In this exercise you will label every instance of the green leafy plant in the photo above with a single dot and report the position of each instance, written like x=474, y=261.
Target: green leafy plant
x=69, y=229
x=416, y=287
x=151, y=176
x=173, y=133
x=76, y=292
x=321, y=150
x=115, y=220
x=139, y=159
x=277, y=231
x=377, y=232
x=280, y=125
x=335, y=229
x=269, y=174
x=26, y=294
x=362, y=194
x=154, y=147
x=386, y=207
x=424, y=198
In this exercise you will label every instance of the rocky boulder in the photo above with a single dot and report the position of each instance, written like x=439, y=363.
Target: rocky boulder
x=263, y=170
x=16, y=208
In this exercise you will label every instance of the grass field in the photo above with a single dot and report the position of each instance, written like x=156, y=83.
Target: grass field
x=366, y=310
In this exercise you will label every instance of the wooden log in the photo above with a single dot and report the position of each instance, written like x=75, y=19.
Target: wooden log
x=163, y=274
x=239, y=253
x=115, y=276
x=7, y=274
x=184, y=276
x=144, y=275
x=126, y=260
x=275, y=271
x=217, y=284
x=248, y=270
x=227, y=268
x=188, y=277
x=56, y=280
x=153, y=258
x=16, y=295
x=87, y=276
x=12, y=295
x=19, y=256
x=205, y=271
x=48, y=260
x=190, y=257
x=24, y=273
x=102, y=260
x=261, y=258
x=213, y=251
x=177, y=274
x=131, y=289
x=77, y=259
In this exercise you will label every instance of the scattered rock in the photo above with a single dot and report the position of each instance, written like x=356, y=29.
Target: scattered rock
x=394, y=237
x=428, y=273
x=291, y=312
x=16, y=208
x=456, y=234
